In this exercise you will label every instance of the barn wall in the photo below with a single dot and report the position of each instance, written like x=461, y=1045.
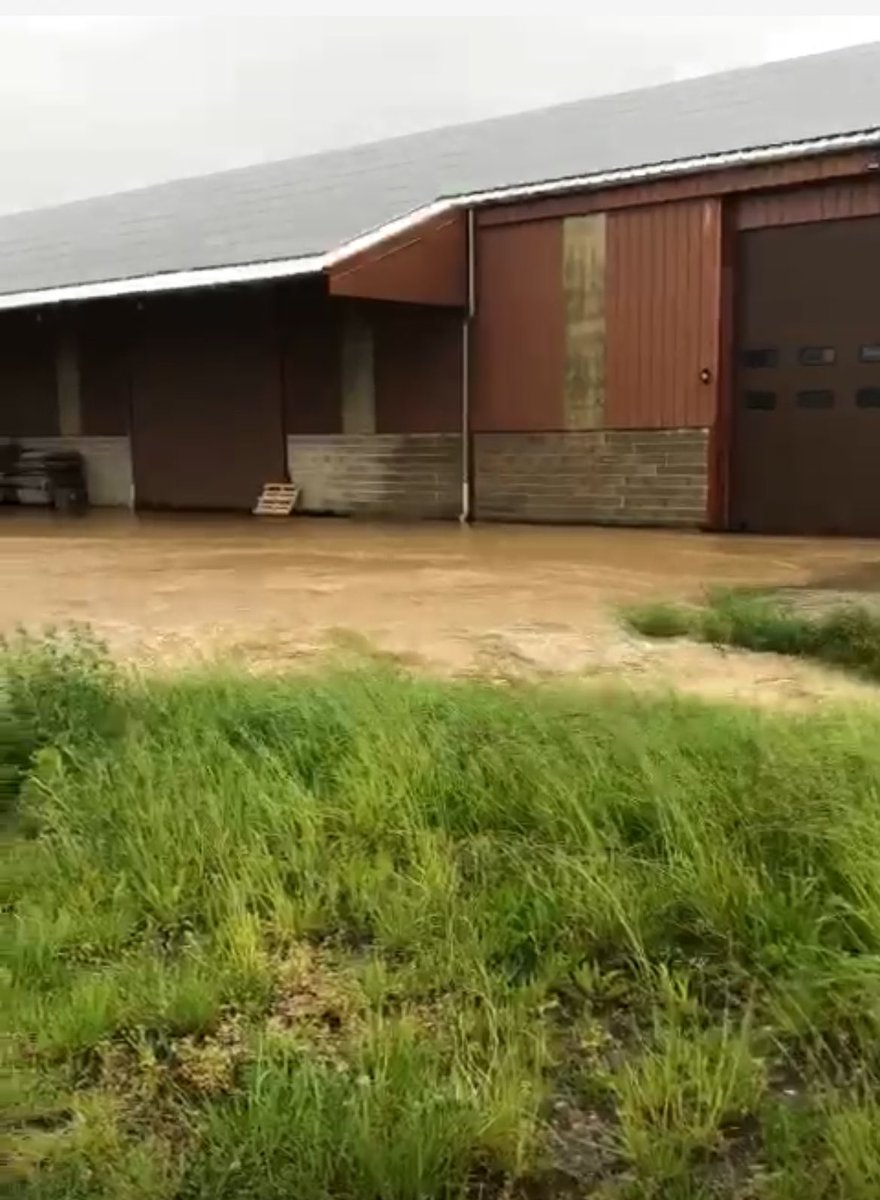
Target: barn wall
x=597, y=365
x=732, y=182
x=418, y=369
x=310, y=334
x=358, y=372
x=60, y=389
x=396, y=449
x=207, y=411
x=840, y=200
x=102, y=339
x=28, y=385
x=519, y=329
x=426, y=264
x=663, y=316
x=402, y=475
x=613, y=477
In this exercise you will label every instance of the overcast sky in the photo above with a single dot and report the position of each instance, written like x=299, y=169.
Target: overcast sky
x=98, y=104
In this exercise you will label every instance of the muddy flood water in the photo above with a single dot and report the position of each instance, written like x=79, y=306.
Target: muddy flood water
x=502, y=601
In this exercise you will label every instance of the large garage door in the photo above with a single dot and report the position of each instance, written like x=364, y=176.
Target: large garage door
x=207, y=422
x=806, y=424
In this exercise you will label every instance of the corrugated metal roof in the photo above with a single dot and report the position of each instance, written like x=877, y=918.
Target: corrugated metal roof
x=312, y=205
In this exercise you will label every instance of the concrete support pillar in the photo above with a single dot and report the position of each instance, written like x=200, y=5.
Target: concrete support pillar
x=358, y=381
x=67, y=384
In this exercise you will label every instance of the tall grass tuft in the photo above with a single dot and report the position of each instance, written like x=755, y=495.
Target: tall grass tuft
x=362, y=935
x=843, y=636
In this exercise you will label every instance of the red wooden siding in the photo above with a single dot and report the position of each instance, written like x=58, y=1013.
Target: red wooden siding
x=417, y=365
x=799, y=206
x=519, y=329
x=852, y=165
x=424, y=265
x=663, y=315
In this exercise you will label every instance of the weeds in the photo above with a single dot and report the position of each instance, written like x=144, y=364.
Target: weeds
x=661, y=619
x=847, y=637
x=362, y=936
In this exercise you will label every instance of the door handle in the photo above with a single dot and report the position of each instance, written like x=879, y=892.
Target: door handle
x=705, y=375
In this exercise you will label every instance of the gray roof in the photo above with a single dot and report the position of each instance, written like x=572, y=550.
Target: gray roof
x=313, y=204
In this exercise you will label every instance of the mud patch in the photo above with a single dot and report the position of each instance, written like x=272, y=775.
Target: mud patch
x=505, y=602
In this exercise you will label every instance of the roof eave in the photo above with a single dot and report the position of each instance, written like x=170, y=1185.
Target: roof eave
x=311, y=264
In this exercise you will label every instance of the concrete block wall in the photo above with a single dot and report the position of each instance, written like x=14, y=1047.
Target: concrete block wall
x=107, y=462
x=613, y=477
x=398, y=475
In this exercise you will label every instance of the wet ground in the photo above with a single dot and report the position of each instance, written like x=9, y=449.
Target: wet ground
x=488, y=599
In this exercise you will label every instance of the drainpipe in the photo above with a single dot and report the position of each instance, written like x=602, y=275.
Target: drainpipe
x=465, y=514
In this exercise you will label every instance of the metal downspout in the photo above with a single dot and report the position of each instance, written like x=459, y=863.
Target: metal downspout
x=465, y=514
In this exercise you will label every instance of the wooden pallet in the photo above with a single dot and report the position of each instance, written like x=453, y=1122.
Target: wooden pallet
x=276, y=500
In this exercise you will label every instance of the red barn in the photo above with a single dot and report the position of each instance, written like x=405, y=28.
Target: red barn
x=655, y=308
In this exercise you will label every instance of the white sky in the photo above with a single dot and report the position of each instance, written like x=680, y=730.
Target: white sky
x=96, y=104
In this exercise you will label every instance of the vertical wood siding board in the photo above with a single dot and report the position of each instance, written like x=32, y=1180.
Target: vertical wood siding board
x=687, y=286
x=558, y=331
x=626, y=332
x=613, y=318
x=678, y=281
x=655, y=316
x=601, y=302
x=600, y=331
x=666, y=330
x=616, y=321
x=701, y=234
x=609, y=319
x=709, y=306
x=519, y=332
x=631, y=329
x=691, y=311
x=611, y=322
x=642, y=359
x=642, y=251
x=669, y=331
x=646, y=251
x=710, y=309
x=633, y=299
x=703, y=356
x=690, y=367
x=699, y=355
x=714, y=251
x=630, y=333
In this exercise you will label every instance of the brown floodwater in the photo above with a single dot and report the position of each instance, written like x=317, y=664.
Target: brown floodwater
x=491, y=599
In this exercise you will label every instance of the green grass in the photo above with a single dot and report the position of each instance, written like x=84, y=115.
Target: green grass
x=363, y=936
x=847, y=636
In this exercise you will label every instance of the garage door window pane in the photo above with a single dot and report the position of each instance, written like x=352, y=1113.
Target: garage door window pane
x=764, y=357
x=817, y=356
x=815, y=399
x=868, y=398
x=870, y=354
x=761, y=401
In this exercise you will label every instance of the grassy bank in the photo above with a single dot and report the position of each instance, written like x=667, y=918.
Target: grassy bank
x=368, y=937
x=843, y=636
